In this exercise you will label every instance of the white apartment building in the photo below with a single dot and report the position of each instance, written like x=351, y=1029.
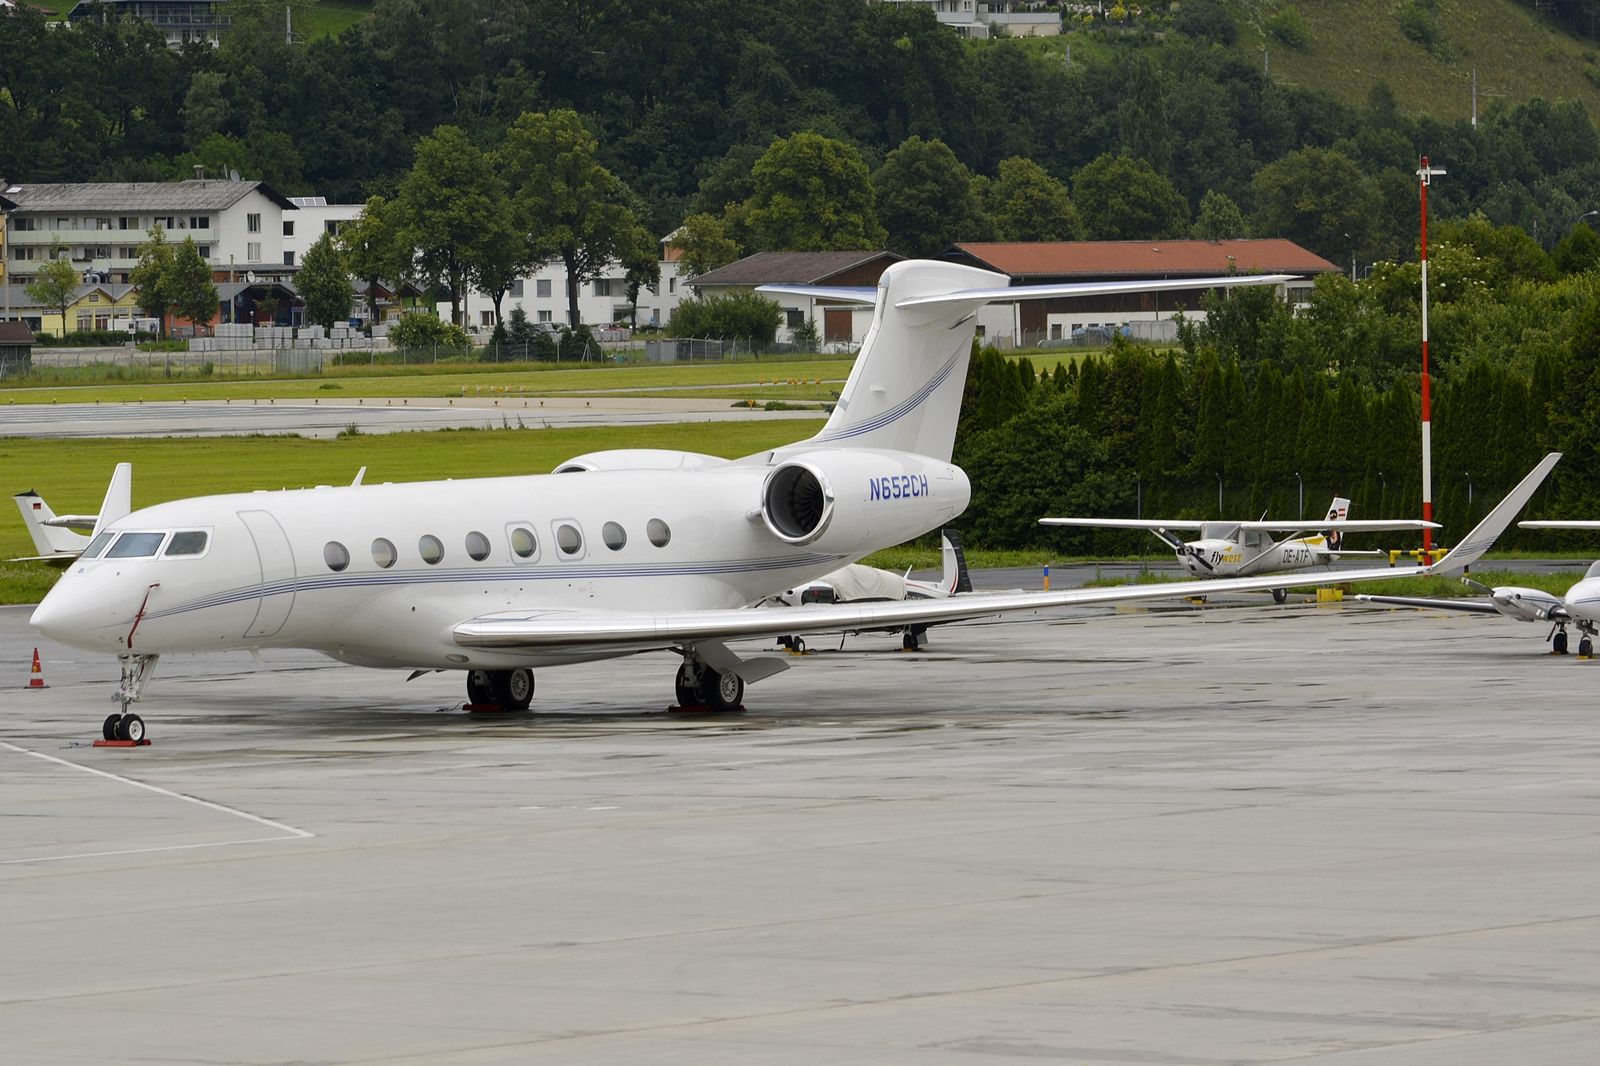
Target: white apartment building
x=991, y=18
x=542, y=295
x=236, y=225
x=313, y=216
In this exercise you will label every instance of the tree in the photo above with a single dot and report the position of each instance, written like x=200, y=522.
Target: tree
x=925, y=198
x=1579, y=251
x=373, y=248
x=151, y=277
x=737, y=315
x=1026, y=204
x=704, y=245
x=324, y=283
x=189, y=286
x=640, y=255
x=569, y=206
x=1125, y=199
x=55, y=283
x=447, y=210
x=1207, y=20
x=1219, y=219
x=812, y=194
x=1319, y=199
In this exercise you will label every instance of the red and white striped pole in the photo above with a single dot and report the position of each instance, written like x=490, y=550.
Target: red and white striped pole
x=1426, y=173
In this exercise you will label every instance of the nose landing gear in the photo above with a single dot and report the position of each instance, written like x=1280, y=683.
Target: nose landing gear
x=124, y=729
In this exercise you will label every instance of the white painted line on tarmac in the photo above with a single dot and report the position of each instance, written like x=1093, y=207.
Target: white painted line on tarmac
x=291, y=832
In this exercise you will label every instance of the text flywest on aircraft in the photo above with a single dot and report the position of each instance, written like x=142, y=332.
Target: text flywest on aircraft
x=616, y=553
x=1244, y=549
x=1579, y=608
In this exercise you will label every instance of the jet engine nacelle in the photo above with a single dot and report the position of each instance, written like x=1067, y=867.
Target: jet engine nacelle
x=639, y=459
x=848, y=499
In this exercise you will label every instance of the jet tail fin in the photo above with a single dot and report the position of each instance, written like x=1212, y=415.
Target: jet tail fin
x=48, y=540
x=955, y=579
x=118, y=503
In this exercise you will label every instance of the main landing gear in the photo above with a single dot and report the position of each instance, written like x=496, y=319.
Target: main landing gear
x=1558, y=640
x=699, y=686
x=122, y=727
x=510, y=690
x=1280, y=595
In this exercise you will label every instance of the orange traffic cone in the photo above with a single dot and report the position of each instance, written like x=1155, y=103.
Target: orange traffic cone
x=36, y=678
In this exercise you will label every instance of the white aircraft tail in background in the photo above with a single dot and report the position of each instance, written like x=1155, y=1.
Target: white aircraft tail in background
x=53, y=536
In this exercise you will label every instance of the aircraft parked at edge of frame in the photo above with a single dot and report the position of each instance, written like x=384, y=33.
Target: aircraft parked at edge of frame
x=1579, y=608
x=869, y=584
x=53, y=535
x=1244, y=549
x=619, y=552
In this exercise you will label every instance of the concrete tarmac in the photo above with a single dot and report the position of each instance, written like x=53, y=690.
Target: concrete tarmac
x=215, y=418
x=1237, y=834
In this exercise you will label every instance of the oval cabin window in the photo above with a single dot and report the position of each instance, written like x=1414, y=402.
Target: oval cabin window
x=431, y=548
x=336, y=555
x=383, y=553
x=658, y=532
x=477, y=546
x=614, y=536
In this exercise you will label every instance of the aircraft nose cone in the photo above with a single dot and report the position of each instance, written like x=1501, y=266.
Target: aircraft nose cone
x=69, y=615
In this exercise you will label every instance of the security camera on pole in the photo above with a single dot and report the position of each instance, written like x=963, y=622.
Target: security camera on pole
x=1426, y=174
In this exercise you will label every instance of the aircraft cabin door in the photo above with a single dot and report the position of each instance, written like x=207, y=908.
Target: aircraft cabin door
x=276, y=592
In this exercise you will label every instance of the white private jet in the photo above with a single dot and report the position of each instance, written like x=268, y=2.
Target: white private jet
x=869, y=584
x=52, y=534
x=1244, y=549
x=623, y=552
x=1579, y=608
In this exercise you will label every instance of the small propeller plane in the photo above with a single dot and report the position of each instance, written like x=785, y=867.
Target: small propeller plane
x=617, y=553
x=1245, y=549
x=1579, y=608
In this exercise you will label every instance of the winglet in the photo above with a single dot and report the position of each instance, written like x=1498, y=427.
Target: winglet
x=1484, y=534
x=118, y=503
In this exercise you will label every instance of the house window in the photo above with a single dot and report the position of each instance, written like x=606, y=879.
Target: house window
x=164, y=221
x=541, y=289
x=199, y=221
x=85, y=322
x=288, y=228
x=602, y=286
x=252, y=252
x=252, y=222
x=544, y=316
x=61, y=222
x=516, y=287
x=22, y=224
x=20, y=252
x=128, y=222
x=331, y=228
x=101, y=251
x=794, y=318
x=486, y=318
x=288, y=259
x=127, y=252
x=94, y=297
x=102, y=223
x=672, y=284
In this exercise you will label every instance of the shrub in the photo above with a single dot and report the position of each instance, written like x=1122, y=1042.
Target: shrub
x=417, y=329
x=1418, y=25
x=1288, y=27
x=737, y=315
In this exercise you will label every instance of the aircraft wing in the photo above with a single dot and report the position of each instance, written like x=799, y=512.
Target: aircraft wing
x=1476, y=606
x=1343, y=525
x=1124, y=523
x=573, y=630
x=869, y=296
x=1567, y=523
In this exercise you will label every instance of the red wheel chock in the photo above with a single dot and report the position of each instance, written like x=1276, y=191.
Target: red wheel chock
x=699, y=709
x=122, y=743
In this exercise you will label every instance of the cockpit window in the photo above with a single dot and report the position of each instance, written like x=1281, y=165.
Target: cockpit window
x=1594, y=569
x=97, y=545
x=135, y=546
x=187, y=542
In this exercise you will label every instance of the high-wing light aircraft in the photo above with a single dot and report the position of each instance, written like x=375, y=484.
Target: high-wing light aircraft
x=620, y=552
x=1579, y=608
x=1244, y=549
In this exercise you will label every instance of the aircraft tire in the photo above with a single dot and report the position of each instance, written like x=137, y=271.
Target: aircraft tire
x=1585, y=646
x=131, y=728
x=480, y=686
x=723, y=692
x=513, y=689
x=1558, y=643
x=909, y=641
x=686, y=686
x=1280, y=595
x=109, y=729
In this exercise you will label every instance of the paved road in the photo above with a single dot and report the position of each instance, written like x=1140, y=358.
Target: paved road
x=1226, y=835
x=306, y=418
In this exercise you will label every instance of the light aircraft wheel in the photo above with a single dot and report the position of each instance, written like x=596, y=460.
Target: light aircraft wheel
x=1585, y=646
x=1558, y=643
x=685, y=685
x=109, y=729
x=480, y=686
x=1280, y=595
x=909, y=642
x=723, y=692
x=514, y=688
x=131, y=728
